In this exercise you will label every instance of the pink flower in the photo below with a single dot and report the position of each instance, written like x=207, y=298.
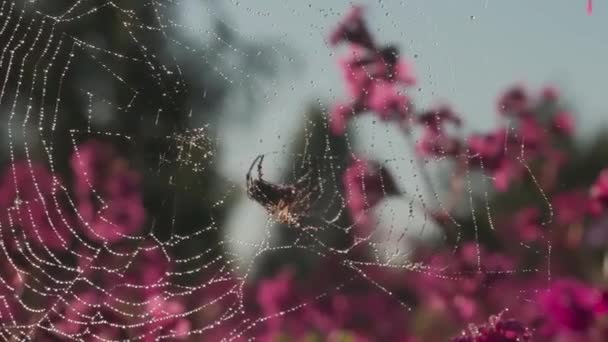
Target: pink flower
x=497, y=329
x=362, y=68
x=108, y=193
x=352, y=29
x=490, y=152
x=527, y=224
x=373, y=84
x=46, y=223
x=87, y=316
x=489, y=148
x=24, y=183
x=466, y=282
x=570, y=305
x=366, y=183
x=599, y=194
x=374, y=77
x=550, y=94
x=507, y=171
x=531, y=135
x=357, y=314
x=435, y=141
x=438, y=144
x=513, y=102
x=388, y=102
x=274, y=293
x=339, y=117
x=30, y=199
x=403, y=73
x=357, y=72
x=117, y=219
x=563, y=124
x=167, y=320
x=90, y=164
x=570, y=207
x=434, y=119
x=148, y=266
x=123, y=183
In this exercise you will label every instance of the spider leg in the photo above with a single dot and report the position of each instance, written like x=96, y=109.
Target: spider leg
x=248, y=176
x=305, y=177
x=260, y=174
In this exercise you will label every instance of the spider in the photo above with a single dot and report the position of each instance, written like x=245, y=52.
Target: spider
x=287, y=203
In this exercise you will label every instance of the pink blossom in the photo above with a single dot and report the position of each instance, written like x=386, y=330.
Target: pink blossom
x=498, y=329
x=31, y=200
x=374, y=77
x=489, y=148
x=123, y=183
x=361, y=68
x=434, y=119
x=116, y=220
x=563, y=124
x=404, y=73
x=339, y=117
x=23, y=183
x=110, y=205
x=527, y=224
x=274, y=293
x=356, y=72
x=373, y=84
x=570, y=207
x=513, y=102
x=167, y=320
x=90, y=165
x=46, y=223
x=570, y=305
x=366, y=183
x=388, y=102
x=357, y=314
x=490, y=152
x=386, y=64
x=531, y=135
x=599, y=194
x=435, y=141
x=507, y=171
x=550, y=94
x=353, y=29
x=83, y=315
x=466, y=280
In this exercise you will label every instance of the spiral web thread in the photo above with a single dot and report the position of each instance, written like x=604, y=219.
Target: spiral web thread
x=43, y=287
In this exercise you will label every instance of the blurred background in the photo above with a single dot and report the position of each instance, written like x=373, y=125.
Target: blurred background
x=191, y=91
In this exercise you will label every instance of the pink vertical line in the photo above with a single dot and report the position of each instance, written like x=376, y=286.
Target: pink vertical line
x=589, y=7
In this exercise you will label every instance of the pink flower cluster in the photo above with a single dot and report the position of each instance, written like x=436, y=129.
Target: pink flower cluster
x=109, y=201
x=94, y=229
x=528, y=133
x=497, y=330
x=357, y=316
x=375, y=76
x=530, y=143
x=33, y=208
x=366, y=183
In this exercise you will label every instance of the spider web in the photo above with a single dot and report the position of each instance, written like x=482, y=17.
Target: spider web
x=75, y=283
